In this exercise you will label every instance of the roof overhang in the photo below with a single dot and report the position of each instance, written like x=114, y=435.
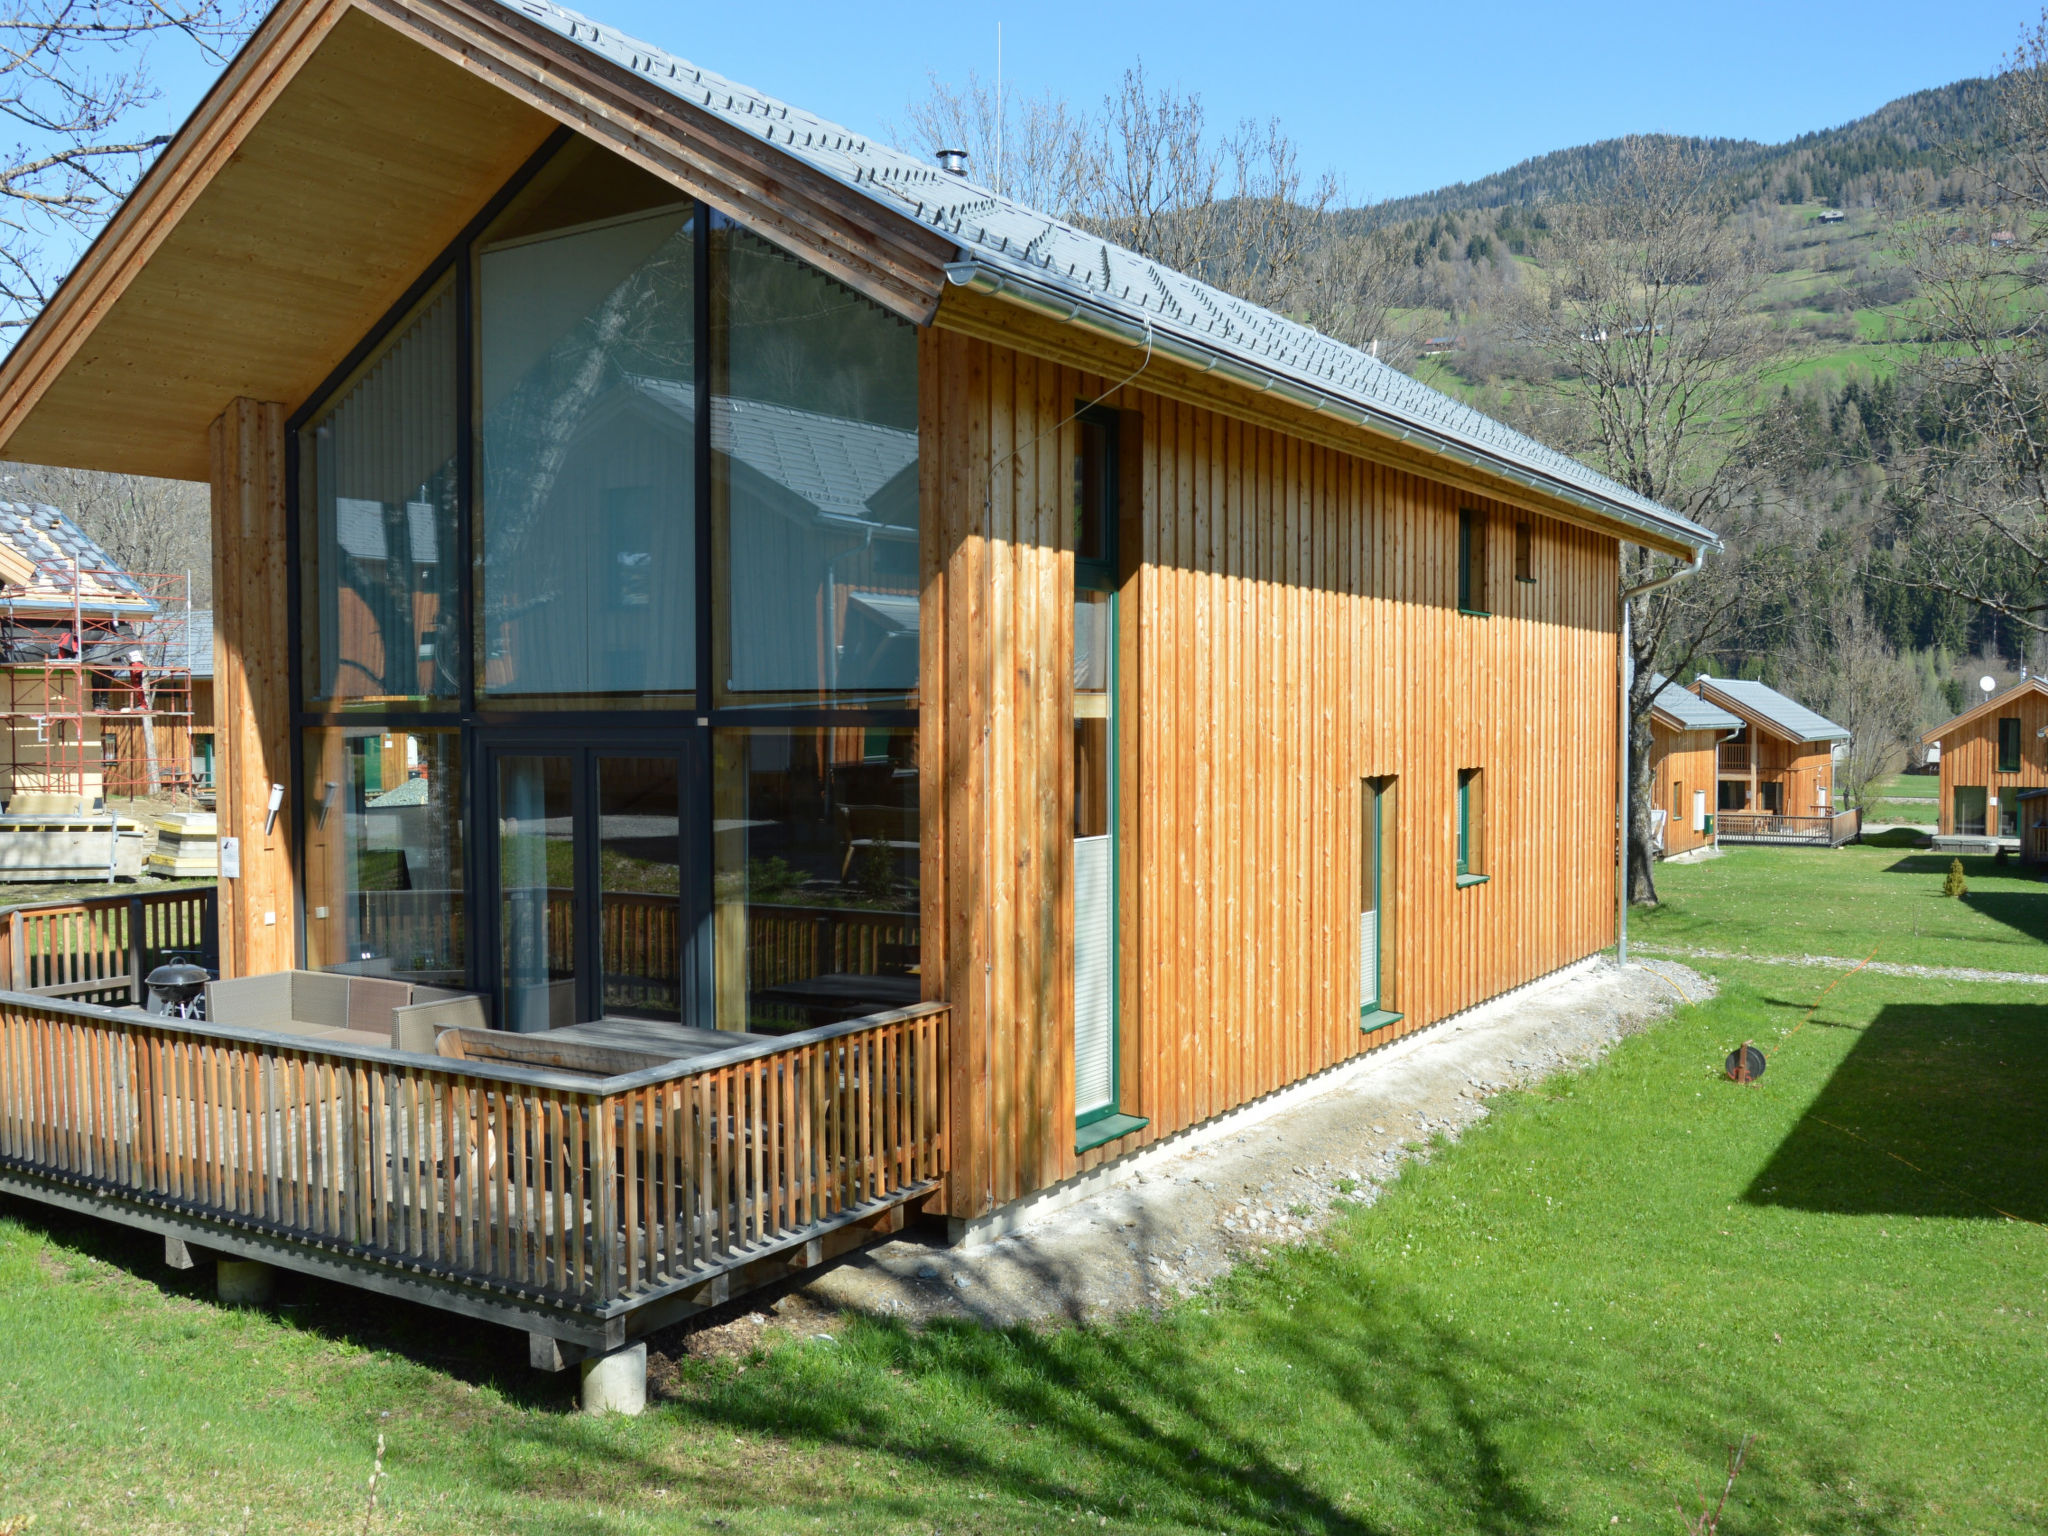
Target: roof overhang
x=2025, y=685
x=344, y=148
x=1375, y=433
x=1759, y=721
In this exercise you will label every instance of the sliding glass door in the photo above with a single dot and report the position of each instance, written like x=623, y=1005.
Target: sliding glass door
x=592, y=849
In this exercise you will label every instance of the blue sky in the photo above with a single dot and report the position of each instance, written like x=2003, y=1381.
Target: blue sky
x=1394, y=98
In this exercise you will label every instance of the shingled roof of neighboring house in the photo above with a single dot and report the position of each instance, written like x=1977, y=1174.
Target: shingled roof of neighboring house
x=1004, y=245
x=41, y=549
x=1687, y=711
x=1787, y=717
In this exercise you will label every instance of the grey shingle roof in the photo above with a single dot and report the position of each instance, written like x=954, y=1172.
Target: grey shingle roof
x=1790, y=716
x=49, y=539
x=1692, y=712
x=1005, y=243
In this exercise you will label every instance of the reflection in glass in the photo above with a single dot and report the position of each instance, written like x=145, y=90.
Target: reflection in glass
x=814, y=478
x=379, y=470
x=815, y=874
x=383, y=853
x=587, y=393
x=640, y=831
x=537, y=891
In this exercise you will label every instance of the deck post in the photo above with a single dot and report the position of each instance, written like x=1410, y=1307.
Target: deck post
x=616, y=1382
x=258, y=910
x=244, y=1282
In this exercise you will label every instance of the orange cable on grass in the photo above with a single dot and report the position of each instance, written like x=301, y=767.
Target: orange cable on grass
x=1824, y=996
x=1930, y=1177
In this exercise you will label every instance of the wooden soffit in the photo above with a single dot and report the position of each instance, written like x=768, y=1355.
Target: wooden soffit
x=344, y=148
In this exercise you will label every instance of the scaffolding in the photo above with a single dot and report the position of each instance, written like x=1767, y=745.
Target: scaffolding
x=99, y=693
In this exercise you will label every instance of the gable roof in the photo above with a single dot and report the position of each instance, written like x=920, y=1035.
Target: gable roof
x=2024, y=685
x=1687, y=711
x=1767, y=707
x=1006, y=246
x=434, y=126
x=43, y=553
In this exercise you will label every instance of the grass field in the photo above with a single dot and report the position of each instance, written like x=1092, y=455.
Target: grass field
x=1554, y=1326
x=1792, y=901
x=1919, y=813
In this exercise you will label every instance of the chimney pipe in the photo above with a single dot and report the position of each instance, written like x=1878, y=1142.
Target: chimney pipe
x=952, y=161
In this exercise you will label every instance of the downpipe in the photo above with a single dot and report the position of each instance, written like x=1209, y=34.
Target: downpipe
x=1623, y=673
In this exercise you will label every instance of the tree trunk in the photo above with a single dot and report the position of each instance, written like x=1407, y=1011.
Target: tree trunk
x=1642, y=858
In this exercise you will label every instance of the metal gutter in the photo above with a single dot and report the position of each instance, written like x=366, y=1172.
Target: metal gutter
x=1102, y=321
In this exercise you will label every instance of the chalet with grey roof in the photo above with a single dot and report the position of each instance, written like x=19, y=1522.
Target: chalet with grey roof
x=1685, y=737
x=1777, y=772
x=936, y=705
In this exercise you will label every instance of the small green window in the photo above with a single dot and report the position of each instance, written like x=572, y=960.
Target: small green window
x=2009, y=745
x=1469, y=827
x=1472, y=563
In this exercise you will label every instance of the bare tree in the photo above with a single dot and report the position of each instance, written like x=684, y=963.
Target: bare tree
x=1036, y=149
x=1649, y=320
x=159, y=527
x=1976, y=513
x=74, y=81
x=1840, y=665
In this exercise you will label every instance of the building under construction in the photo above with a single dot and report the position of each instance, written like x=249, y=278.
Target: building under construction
x=99, y=666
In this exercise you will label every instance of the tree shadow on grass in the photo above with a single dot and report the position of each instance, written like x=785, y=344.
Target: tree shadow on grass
x=2025, y=912
x=1936, y=1111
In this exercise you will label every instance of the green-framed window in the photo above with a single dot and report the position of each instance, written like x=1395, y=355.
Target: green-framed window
x=2009, y=745
x=1469, y=828
x=1099, y=1115
x=1472, y=563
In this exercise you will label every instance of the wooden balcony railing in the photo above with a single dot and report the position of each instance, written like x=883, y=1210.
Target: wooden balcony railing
x=521, y=1192
x=99, y=948
x=1734, y=757
x=1827, y=831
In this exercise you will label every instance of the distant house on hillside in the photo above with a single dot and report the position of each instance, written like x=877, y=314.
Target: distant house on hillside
x=1685, y=733
x=1776, y=777
x=1829, y=216
x=1994, y=773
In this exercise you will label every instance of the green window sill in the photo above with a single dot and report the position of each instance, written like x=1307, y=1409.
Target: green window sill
x=1096, y=1132
x=1465, y=880
x=1377, y=1018
x=1527, y=580
x=1476, y=613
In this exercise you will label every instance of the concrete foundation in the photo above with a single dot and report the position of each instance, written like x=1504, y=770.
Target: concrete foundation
x=617, y=1382
x=244, y=1282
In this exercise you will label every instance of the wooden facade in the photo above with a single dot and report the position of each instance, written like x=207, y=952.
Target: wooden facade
x=1683, y=764
x=1316, y=615
x=1293, y=632
x=1971, y=763
x=1763, y=771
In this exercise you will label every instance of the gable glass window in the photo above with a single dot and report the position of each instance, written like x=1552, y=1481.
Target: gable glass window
x=381, y=619
x=2009, y=745
x=1472, y=563
x=586, y=380
x=814, y=481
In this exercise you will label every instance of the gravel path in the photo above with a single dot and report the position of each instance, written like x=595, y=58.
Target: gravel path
x=1183, y=1218
x=1840, y=963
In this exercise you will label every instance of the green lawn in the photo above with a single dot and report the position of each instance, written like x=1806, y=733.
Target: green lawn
x=1553, y=1326
x=1912, y=786
x=1919, y=813
x=1812, y=901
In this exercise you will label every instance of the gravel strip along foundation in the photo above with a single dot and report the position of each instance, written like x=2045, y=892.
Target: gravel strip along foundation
x=1182, y=1217
x=1839, y=963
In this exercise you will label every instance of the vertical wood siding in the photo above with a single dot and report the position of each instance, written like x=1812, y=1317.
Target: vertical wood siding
x=1289, y=629
x=1969, y=754
x=1683, y=760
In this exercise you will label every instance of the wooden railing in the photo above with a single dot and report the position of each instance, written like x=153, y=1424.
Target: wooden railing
x=1761, y=827
x=99, y=948
x=1734, y=757
x=586, y=1195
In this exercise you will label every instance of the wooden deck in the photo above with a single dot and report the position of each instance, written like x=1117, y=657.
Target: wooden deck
x=1814, y=831
x=589, y=1209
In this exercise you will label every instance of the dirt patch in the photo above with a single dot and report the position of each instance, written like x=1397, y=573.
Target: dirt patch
x=1184, y=1218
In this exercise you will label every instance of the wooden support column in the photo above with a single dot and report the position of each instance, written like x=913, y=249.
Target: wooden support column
x=258, y=910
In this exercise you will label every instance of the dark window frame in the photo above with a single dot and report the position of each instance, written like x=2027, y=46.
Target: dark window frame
x=1472, y=593
x=2011, y=743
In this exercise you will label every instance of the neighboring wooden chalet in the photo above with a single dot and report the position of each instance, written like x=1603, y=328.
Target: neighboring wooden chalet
x=938, y=702
x=1776, y=778
x=1685, y=734
x=1991, y=756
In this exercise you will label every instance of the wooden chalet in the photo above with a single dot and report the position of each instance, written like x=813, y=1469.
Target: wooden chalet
x=1776, y=775
x=890, y=701
x=1994, y=772
x=1685, y=737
